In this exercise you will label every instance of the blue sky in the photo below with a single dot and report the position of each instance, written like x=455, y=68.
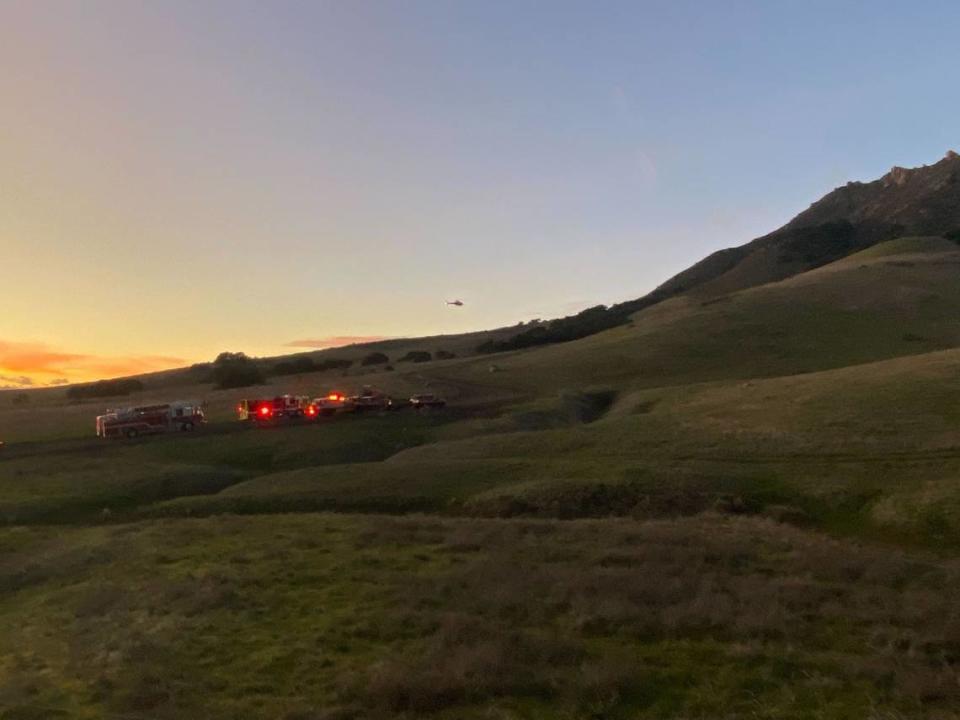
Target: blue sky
x=259, y=173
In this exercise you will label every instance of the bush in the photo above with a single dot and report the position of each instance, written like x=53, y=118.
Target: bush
x=444, y=355
x=202, y=372
x=21, y=399
x=417, y=356
x=295, y=366
x=376, y=358
x=334, y=364
x=233, y=370
x=573, y=327
x=953, y=235
x=305, y=364
x=104, y=388
x=820, y=244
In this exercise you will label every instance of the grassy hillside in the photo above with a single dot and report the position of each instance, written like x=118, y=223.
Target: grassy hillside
x=856, y=310
x=317, y=616
x=738, y=505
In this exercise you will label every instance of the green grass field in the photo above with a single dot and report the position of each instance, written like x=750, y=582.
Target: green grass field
x=743, y=505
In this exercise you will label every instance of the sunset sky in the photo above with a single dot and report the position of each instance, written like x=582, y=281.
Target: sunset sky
x=182, y=178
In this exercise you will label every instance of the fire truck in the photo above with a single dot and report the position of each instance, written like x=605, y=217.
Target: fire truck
x=272, y=409
x=330, y=404
x=149, y=419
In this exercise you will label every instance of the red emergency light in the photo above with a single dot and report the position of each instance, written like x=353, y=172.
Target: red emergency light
x=264, y=410
x=333, y=396
x=311, y=410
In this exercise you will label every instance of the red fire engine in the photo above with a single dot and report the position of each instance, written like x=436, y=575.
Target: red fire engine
x=149, y=419
x=278, y=408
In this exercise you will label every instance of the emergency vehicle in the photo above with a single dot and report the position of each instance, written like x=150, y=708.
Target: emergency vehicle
x=278, y=408
x=330, y=404
x=149, y=419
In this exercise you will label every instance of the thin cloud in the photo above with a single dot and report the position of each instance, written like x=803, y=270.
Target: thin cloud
x=27, y=364
x=333, y=341
x=23, y=357
x=13, y=382
x=130, y=365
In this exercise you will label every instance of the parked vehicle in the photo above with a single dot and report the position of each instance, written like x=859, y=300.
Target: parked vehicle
x=420, y=402
x=330, y=404
x=370, y=399
x=273, y=409
x=398, y=404
x=150, y=419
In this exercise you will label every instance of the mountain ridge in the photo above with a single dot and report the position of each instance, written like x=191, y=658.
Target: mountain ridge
x=905, y=201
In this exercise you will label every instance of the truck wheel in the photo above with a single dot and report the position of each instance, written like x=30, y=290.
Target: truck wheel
x=186, y=427
x=132, y=433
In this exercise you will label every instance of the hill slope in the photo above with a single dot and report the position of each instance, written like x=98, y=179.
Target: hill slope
x=723, y=465
x=866, y=307
x=918, y=201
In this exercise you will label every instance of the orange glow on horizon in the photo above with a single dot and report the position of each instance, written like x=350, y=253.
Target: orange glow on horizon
x=32, y=364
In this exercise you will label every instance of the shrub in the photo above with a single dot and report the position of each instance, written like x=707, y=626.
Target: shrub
x=953, y=235
x=417, y=356
x=819, y=244
x=104, y=388
x=306, y=364
x=334, y=364
x=21, y=399
x=588, y=322
x=233, y=370
x=295, y=366
x=444, y=355
x=202, y=372
x=376, y=358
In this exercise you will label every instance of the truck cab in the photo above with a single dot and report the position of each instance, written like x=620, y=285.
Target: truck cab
x=330, y=404
x=265, y=410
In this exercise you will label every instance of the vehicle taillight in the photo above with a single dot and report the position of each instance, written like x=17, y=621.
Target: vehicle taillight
x=311, y=410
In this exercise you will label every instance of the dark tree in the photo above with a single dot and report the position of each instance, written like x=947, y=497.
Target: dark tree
x=232, y=370
x=376, y=358
x=417, y=356
x=104, y=388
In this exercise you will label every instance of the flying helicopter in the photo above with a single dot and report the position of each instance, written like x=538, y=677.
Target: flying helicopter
x=457, y=303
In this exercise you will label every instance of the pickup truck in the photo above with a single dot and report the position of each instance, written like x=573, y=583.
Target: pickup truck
x=420, y=402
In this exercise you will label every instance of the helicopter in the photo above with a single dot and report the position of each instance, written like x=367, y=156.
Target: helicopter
x=457, y=303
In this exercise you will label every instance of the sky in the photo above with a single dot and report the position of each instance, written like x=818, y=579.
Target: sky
x=180, y=178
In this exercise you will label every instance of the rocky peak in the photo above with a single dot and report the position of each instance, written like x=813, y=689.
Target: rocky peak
x=924, y=200
x=897, y=176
